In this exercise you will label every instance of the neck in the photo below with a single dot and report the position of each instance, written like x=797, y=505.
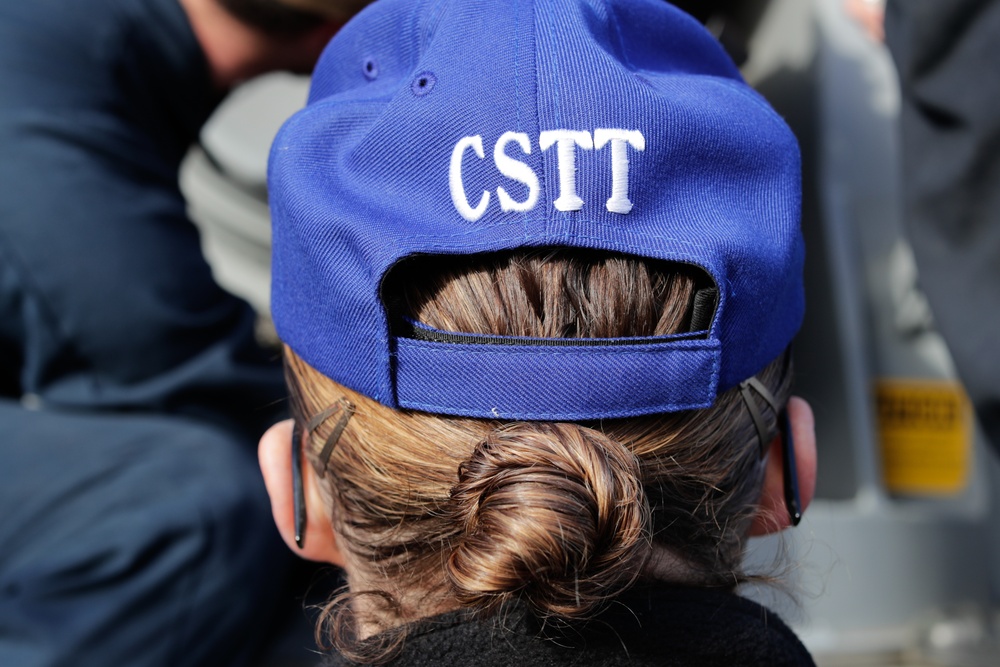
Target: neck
x=373, y=614
x=664, y=566
x=236, y=52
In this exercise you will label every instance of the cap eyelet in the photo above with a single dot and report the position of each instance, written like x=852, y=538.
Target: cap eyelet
x=423, y=83
x=370, y=69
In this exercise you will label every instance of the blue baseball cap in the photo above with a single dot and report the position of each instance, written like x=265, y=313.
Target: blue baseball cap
x=458, y=127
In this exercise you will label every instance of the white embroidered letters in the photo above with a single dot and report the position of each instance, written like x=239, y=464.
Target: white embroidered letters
x=619, y=201
x=455, y=179
x=517, y=170
x=566, y=142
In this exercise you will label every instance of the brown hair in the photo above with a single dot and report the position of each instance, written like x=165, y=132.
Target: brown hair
x=560, y=516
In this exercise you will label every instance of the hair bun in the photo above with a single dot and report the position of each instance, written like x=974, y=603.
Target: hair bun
x=554, y=514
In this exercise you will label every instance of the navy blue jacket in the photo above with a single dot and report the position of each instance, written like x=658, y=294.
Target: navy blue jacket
x=106, y=301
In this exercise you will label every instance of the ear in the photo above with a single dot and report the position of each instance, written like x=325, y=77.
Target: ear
x=275, y=456
x=772, y=515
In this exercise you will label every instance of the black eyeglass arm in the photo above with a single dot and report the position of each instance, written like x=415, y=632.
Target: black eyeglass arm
x=297, y=489
x=793, y=500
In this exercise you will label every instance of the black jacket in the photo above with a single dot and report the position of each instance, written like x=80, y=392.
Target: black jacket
x=669, y=627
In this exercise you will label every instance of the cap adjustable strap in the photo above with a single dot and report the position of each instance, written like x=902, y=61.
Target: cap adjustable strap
x=567, y=380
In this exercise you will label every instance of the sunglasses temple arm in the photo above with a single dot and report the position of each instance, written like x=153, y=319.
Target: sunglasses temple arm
x=793, y=500
x=298, y=491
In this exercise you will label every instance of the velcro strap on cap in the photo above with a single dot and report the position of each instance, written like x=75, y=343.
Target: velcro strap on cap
x=564, y=383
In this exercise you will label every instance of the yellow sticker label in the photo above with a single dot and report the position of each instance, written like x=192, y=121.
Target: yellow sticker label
x=925, y=430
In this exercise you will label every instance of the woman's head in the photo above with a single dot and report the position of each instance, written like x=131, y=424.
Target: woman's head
x=433, y=512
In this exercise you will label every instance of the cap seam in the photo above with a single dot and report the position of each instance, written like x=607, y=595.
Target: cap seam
x=555, y=238
x=618, y=36
x=699, y=345
x=653, y=409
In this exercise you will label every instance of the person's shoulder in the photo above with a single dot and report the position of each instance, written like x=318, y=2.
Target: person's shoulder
x=52, y=45
x=39, y=21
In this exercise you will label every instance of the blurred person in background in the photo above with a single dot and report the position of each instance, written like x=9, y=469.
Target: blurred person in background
x=945, y=53
x=949, y=134
x=134, y=528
